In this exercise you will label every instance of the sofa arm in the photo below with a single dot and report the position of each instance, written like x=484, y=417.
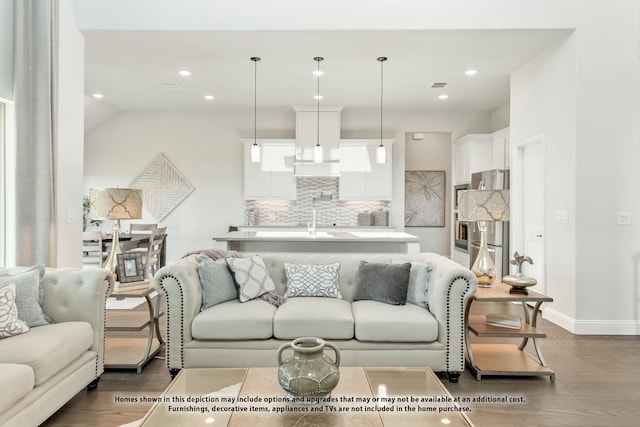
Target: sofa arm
x=79, y=295
x=180, y=284
x=450, y=286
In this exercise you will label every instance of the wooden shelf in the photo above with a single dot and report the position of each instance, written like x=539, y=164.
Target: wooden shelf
x=478, y=326
x=506, y=359
x=128, y=320
x=128, y=353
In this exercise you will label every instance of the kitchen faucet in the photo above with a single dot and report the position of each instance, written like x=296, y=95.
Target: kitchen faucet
x=311, y=227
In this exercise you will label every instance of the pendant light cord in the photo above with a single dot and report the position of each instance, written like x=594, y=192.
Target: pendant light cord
x=255, y=60
x=381, y=59
x=318, y=59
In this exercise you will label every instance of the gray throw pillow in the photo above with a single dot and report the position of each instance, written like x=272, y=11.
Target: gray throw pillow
x=418, y=282
x=27, y=296
x=12, y=271
x=386, y=283
x=217, y=283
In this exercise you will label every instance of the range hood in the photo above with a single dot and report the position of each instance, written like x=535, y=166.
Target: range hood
x=307, y=127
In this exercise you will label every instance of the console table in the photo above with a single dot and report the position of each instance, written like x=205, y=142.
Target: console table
x=506, y=359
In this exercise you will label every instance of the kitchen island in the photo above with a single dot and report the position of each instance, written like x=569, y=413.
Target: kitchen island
x=322, y=241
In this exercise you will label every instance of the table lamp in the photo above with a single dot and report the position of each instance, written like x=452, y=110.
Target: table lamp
x=483, y=206
x=115, y=204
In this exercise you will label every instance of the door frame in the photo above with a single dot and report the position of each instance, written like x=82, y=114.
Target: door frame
x=517, y=228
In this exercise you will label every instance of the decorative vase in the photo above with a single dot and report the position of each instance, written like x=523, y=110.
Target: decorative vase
x=309, y=373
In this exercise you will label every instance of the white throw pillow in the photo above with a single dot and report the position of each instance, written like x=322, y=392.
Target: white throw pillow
x=251, y=277
x=311, y=280
x=10, y=325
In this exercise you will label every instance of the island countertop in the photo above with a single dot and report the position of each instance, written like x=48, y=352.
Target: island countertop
x=323, y=241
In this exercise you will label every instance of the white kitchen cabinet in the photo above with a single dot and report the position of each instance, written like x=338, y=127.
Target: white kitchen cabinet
x=471, y=153
x=500, y=149
x=272, y=178
x=361, y=178
x=307, y=132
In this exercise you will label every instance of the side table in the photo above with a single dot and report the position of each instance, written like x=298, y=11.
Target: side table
x=506, y=359
x=133, y=352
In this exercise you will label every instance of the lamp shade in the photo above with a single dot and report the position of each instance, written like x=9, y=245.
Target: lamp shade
x=115, y=203
x=483, y=205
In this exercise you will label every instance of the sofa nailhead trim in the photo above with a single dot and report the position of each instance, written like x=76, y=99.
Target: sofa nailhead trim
x=455, y=279
x=168, y=328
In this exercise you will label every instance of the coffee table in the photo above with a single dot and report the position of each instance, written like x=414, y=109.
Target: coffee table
x=249, y=397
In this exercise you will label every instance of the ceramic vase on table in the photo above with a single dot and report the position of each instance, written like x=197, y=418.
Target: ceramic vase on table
x=309, y=372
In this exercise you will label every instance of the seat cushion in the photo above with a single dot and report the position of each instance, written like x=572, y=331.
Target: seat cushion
x=17, y=378
x=377, y=321
x=233, y=320
x=327, y=318
x=48, y=349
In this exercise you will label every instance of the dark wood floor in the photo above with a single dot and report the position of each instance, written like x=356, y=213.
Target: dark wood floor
x=596, y=385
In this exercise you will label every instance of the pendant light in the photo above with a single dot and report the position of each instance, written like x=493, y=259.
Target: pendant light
x=255, y=148
x=381, y=153
x=317, y=150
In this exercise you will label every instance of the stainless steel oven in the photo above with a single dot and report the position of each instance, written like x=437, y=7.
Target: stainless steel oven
x=461, y=232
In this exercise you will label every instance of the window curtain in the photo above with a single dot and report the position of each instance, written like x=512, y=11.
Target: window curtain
x=35, y=81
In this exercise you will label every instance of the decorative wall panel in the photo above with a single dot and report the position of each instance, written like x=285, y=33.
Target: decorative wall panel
x=163, y=187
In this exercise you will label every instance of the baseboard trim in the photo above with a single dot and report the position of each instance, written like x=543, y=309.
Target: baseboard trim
x=592, y=327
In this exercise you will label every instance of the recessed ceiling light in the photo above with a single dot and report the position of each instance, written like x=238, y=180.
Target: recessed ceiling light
x=184, y=73
x=443, y=96
x=318, y=73
x=317, y=96
x=471, y=72
x=98, y=95
x=208, y=97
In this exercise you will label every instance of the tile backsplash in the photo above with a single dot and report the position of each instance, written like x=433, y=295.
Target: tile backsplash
x=328, y=212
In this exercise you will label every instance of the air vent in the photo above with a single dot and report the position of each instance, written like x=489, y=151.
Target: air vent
x=438, y=85
x=171, y=86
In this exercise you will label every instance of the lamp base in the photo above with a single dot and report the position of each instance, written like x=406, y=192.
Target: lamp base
x=483, y=267
x=111, y=263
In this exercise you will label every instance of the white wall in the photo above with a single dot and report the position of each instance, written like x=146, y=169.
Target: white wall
x=500, y=118
x=433, y=153
x=206, y=148
x=543, y=103
x=6, y=49
x=68, y=173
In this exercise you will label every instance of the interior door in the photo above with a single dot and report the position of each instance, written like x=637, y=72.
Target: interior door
x=533, y=212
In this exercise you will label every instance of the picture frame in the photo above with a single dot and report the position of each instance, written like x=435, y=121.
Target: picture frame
x=424, y=200
x=130, y=267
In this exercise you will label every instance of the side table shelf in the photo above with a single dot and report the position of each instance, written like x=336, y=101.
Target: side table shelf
x=124, y=352
x=506, y=359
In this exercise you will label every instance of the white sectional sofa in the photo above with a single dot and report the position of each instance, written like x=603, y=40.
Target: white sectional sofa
x=367, y=332
x=42, y=369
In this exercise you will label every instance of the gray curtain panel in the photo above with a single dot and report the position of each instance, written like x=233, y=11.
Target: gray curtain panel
x=35, y=82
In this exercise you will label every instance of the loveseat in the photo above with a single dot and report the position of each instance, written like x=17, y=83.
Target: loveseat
x=248, y=333
x=61, y=352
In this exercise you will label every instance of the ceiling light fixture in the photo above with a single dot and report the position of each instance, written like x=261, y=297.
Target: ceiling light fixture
x=209, y=97
x=255, y=148
x=184, y=73
x=471, y=72
x=443, y=96
x=317, y=150
x=318, y=73
x=381, y=153
x=98, y=95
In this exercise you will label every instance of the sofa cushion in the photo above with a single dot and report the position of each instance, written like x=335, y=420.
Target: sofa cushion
x=418, y=282
x=217, y=283
x=10, y=325
x=48, y=349
x=17, y=378
x=27, y=296
x=376, y=321
x=313, y=280
x=327, y=318
x=251, y=277
x=386, y=283
x=233, y=320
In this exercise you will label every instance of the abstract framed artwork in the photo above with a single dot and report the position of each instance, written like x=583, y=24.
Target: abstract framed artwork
x=424, y=199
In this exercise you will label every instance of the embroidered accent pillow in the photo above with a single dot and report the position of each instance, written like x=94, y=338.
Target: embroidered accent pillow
x=27, y=296
x=310, y=280
x=251, y=277
x=10, y=325
x=386, y=283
